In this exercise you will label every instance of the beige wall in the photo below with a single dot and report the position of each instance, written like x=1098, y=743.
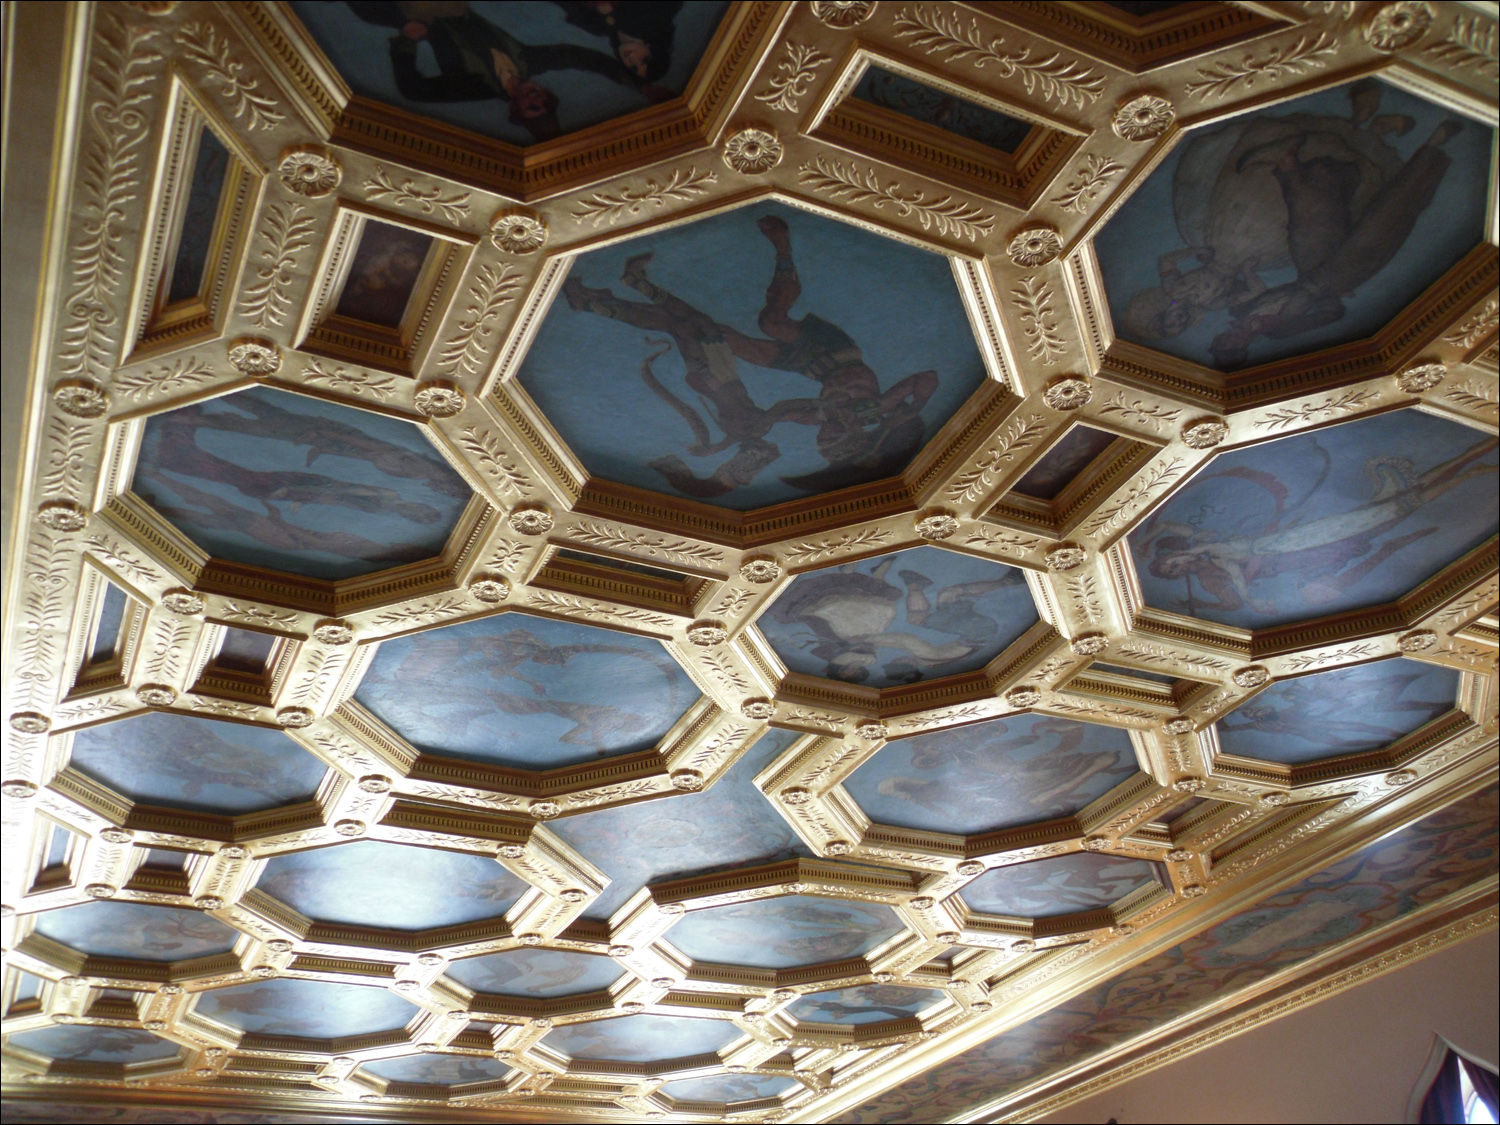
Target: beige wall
x=1354, y=1057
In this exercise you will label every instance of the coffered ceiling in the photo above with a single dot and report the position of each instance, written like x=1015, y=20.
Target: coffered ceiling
x=611, y=560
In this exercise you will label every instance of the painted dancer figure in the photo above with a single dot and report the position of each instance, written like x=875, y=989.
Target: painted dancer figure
x=1329, y=554
x=863, y=432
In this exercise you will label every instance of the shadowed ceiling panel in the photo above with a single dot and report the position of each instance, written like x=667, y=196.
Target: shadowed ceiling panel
x=1296, y=228
x=868, y=1003
x=543, y=973
x=993, y=775
x=437, y=1070
x=642, y=1038
x=1311, y=525
x=1049, y=887
x=181, y=761
x=524, y=691
x=390, y=886
x=117, y=1045
x=897, y=619
x=783, y=932
x=295, y=484
x=307, y=1009
x=137, y=931
x=690, y=331
x=729, y=1088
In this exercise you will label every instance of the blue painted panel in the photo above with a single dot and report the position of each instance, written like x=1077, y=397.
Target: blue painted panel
x=730, y=1088
x=536, y=972
x=297, y=484
x=1064, y=461
x=897, y=619
x=1338, y=519
x=931, y=106
x=780, y=933
x=391, y=886
x=1298, y=228
x=522, y=71
x=525, y=691
x=641, y=1038
x=728, y=825
x=1046, y=888
x=184, y=762
x=1342, y=711
x=306, y=1009
x=992, y=775
x=137, y=931
x=667, y=362
x=438, y=1070
x=865, y=1003
x=118, y=1045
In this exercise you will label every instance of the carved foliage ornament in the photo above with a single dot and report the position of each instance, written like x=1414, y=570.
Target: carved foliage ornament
x=1065, y=556
x=1205, y=433
x=518, y=231
x=937, y=525
x=531, y=519
x=1035, y=246
x=760, y=570
x=1423, y=377
x=80, y=398
x=438, y=398
x=62, y=515
x=254, y=357
x=309, y=171
x=843, y=13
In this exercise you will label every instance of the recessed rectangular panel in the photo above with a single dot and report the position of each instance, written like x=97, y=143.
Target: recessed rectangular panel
x=196, y=236
x=111, y=617
x=160, y=858
x=1064, y=461
x=383, y=274
x=1116, y=670
x=616, y=564
x=931, y=106
x=57, y=847
x=245, y=651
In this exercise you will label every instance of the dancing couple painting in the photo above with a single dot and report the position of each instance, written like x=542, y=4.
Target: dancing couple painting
x=1297, y=229
x=696, y=360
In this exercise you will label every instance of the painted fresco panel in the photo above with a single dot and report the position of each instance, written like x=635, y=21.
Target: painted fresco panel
x=641, y=1038
x=959, y=116
x=1047, y=888
x=729, y=1088
x=306, y=1009
x=1338, y=519
x=137, y=931
x=1301, y=227
x=866, y=1003
x=781, y=933
x=1342, y=711
x=1063, y=462
x=383, y=273
x=1443, y=853
x=536, y=972
x=992, y=775
x=522, y=71
x=195, y=236
x=524, y=691
x=730, y=824
x=391, y=886
x=184, y=762
x=293, y=483
x=438, y=1070
x=117, y=1045
x=757, y=356
x=896, y=619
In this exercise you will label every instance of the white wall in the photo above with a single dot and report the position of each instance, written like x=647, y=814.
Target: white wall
x=1354, y=1057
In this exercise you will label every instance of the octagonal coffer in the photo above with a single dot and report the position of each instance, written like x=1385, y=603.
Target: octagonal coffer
x=1050, y=888
x=993, y=775
x=897, y=619
x=728, y=825
x=1297, y=228
x=582, y=63
x=864, y=1004
x=783, y=933
x=118, y=1045
x=730, y=1088
x=296, y=484
x=758, y=356
x=306, y=1009
x=391, y=886
x=206, y=765
x=527, y=692
x=543, y=973
x=437, y=1070
x=137, y=931
x=1341, y=711
x=642, y=1038
x=1343, y=518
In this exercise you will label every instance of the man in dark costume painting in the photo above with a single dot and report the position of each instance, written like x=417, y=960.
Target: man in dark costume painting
x=640, y=32
x=863, y=433
x=479, y=60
